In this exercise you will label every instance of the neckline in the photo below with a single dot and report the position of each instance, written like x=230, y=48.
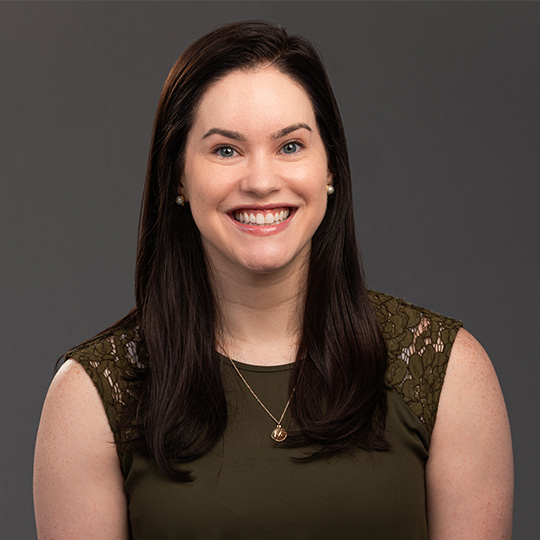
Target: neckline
x=242, y=366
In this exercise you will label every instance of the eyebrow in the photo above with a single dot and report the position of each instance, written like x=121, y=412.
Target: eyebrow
x=226, y=133
x=235, y=135
x=290, y=129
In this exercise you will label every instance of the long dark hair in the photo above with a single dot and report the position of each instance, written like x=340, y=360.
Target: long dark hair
x=340, y=401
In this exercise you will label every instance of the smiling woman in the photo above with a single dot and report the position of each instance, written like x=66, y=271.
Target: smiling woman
x=257, y=184
x=258, y=389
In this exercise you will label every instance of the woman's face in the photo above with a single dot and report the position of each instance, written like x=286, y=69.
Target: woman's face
x=255, y=172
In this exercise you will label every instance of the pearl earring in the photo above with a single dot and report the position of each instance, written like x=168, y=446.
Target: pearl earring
x=180, y=201
x=329, y=189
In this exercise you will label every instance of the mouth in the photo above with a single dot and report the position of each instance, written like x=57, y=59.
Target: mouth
x=260, y=217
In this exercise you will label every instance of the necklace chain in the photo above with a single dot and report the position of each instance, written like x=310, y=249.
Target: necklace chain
x=279, y=434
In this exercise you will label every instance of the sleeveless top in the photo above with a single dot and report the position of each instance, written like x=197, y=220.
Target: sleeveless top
x=245, y=488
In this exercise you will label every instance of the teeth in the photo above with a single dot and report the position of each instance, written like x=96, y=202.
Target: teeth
x=262, y=218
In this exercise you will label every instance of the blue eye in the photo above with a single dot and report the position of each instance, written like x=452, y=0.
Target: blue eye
x=225, y=151
x=290, y=148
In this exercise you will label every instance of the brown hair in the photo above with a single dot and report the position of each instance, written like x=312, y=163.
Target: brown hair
x=340, y=400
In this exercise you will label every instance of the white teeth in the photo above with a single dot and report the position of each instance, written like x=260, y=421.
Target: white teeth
x=261, y=218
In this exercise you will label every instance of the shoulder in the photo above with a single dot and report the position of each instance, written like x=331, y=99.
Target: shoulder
x=76, y=468
x=396, y=316
x=110, y=354
x=112, y=360
x=72, y=400
x=471, y=394
x=120, y=345
x=470, y=467
x=419, y=343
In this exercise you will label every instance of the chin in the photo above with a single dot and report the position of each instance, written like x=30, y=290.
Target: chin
x=273, y=264
x=262, y=268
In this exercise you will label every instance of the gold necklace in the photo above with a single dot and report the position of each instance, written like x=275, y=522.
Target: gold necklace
x=278, y=434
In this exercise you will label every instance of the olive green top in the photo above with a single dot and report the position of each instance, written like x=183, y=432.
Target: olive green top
x=245, y=488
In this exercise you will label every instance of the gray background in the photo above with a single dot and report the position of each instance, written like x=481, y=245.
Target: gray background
x=441, y=107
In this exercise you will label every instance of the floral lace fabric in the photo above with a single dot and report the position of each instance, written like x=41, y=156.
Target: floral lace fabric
x=107, y=359
x=418, y=343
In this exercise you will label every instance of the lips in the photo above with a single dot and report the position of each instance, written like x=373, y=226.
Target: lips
x=260, y=217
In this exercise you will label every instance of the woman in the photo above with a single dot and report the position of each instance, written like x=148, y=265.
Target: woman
x=258, y=390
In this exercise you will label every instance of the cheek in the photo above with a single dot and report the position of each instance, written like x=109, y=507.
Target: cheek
x=316, y=180
x=198, y=186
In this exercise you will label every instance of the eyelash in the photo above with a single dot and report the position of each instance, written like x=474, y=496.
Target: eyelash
x=221, y=147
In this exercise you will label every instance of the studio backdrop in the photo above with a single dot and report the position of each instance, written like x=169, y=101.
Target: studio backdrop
x=441, y=107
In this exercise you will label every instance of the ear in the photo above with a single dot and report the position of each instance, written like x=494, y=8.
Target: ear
x=330, y=178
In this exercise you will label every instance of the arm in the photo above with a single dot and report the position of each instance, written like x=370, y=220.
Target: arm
x=469, y=473
x=78, y=484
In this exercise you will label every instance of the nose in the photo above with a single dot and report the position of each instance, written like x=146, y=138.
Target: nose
x=260, y=176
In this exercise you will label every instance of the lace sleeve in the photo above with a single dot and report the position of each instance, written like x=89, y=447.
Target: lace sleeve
x=419, y=342
x=108, y=359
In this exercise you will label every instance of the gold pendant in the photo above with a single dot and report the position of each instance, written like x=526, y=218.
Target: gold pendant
x=279, y=434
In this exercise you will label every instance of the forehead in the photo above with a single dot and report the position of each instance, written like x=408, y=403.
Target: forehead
x=254, y=99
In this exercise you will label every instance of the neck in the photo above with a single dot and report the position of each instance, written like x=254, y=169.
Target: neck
x=261, y=315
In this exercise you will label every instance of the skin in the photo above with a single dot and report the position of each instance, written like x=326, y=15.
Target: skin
x=78, y=485
x=258, y=278
x=469, y=473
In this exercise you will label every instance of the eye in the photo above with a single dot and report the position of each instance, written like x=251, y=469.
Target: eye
x=291, y=147
x=225, y=151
